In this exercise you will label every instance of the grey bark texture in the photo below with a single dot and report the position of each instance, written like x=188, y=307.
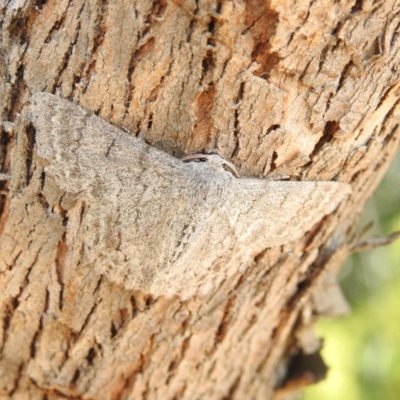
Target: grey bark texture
x=306, y=89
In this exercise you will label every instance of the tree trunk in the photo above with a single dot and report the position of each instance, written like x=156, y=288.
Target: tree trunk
x=305, y=89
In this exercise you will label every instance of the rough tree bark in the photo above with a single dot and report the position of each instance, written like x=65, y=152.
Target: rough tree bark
x=308, y=89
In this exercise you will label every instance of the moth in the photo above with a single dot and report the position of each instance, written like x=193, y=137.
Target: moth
x=166, y=226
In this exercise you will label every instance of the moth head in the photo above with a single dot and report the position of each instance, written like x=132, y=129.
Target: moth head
x=214, y=159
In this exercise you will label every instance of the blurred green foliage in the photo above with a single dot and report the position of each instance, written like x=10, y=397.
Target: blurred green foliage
x=362, y=350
